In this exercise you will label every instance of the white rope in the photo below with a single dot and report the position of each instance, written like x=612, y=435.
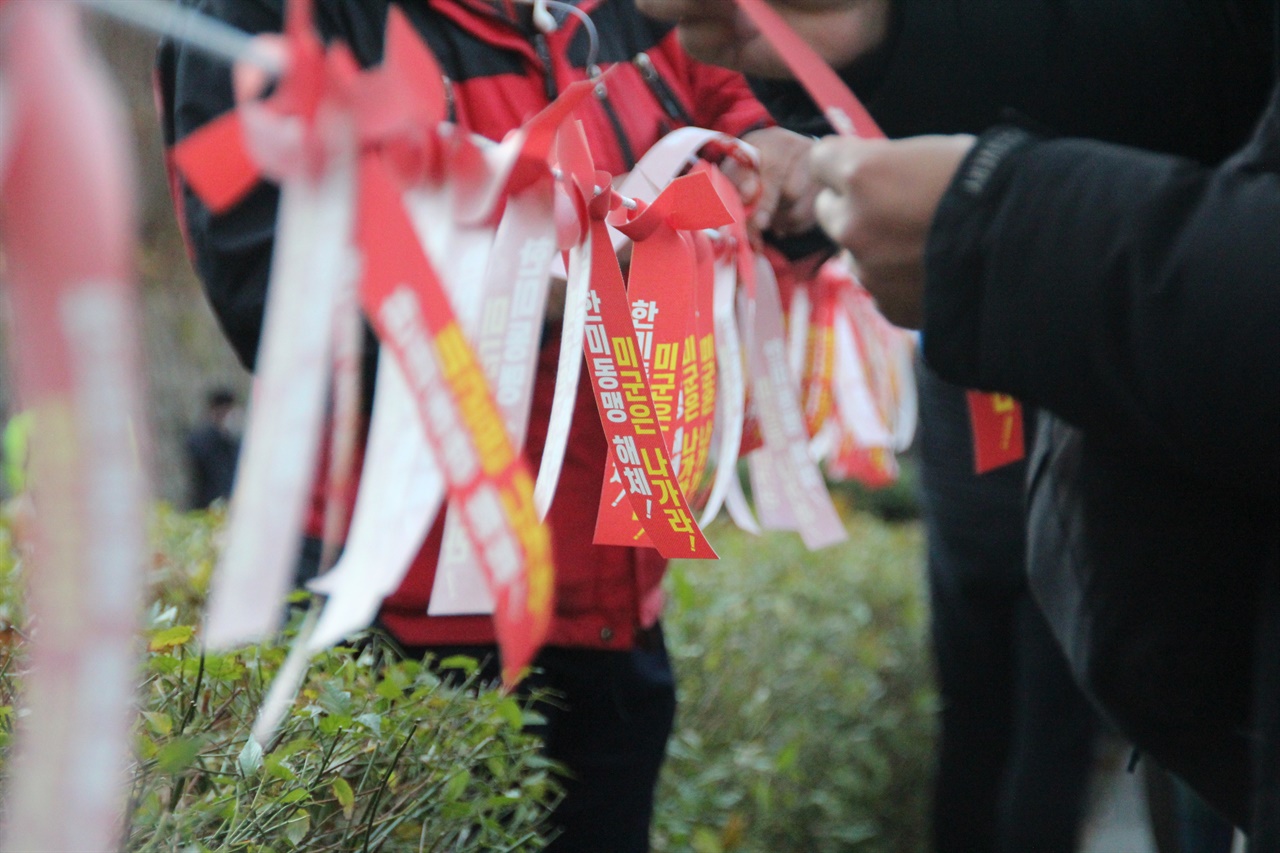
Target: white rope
x=200, y=31
x=546, y=23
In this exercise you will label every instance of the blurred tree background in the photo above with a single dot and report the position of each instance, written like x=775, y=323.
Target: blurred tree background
x=184, y=350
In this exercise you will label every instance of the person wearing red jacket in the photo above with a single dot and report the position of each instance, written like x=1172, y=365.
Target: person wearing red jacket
x=605, y=654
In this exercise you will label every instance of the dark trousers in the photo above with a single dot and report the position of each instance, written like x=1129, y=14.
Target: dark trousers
x=1016, y=735
x=608, y=724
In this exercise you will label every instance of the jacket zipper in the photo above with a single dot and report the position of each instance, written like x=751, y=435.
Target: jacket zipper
x=602, y=95
x=451, y=104
x=543, y=49
x=661, y=91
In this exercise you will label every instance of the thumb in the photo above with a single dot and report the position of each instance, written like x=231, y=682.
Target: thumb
x=835, y=160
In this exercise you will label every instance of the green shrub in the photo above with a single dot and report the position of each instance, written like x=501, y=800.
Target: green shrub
x=806, y=706
x=376, y=754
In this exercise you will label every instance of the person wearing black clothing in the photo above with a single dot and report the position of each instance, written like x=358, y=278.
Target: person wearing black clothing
x=212, y=451
x=1136, y=295
x=1187, y=77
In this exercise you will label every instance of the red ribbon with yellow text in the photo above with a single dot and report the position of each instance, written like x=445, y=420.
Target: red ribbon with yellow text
x=618, y=377
x=666, y=284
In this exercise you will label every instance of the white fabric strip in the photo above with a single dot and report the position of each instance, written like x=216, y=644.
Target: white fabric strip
x=313, y=257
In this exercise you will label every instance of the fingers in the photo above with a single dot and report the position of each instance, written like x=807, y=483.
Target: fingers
x=882, y=194
x=852, y=175
x=785, y=203
x=834, y=214
x=848, y=209
x=878, y=201
x=747, y=181
x=834, y=161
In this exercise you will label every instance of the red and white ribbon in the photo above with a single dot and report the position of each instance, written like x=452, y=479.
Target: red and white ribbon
x=785, y=476
x=401, y=490
x=662, y=298
x=506, y=335
x=305, y=138
x=67, y=209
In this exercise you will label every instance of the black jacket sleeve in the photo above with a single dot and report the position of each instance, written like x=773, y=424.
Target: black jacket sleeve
x=1135, y=294
x=232, y=250
x=1183, y=76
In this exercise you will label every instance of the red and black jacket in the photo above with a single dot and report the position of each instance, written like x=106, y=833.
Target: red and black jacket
x=501, y=71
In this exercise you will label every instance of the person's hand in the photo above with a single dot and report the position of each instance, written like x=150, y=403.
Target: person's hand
x=879, y=201
x=714, y=31
x=783, y=191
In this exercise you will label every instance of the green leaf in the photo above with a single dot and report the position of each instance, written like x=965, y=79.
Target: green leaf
x=372, y=722
x=346, y=797
x=177, y=755
x=510, y=711
x=389, y=689
x=250, y=760
x=298, y=826
x=297, y=795
x=220, y=667
x=160, y=722
x=164, y=664
x=334, y=700
x=706, y=841
x=467, y=664
x=787, y=757
x=335, y=724
x=169, y=638
x=457, y=784
x=278, y=768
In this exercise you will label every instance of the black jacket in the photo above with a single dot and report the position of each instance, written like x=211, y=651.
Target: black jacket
x=1135, y=294
x=1138, y=296
x=1184, y=76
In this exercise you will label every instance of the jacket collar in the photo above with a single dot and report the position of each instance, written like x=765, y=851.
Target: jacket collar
x=508, y=11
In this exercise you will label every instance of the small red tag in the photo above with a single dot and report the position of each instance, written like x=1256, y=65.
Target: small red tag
x=216, y=164
x=997, y=431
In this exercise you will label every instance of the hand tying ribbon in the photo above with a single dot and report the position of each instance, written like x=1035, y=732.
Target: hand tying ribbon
x=996, y=419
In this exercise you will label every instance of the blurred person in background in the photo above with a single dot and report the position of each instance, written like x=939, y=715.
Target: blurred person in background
x=213, y=448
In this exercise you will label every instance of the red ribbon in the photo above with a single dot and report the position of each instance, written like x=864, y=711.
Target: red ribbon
x=622, y=390
x=396, y=110
x=662, y=296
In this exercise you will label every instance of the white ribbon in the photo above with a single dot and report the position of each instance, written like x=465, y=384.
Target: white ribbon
x=313, y=260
